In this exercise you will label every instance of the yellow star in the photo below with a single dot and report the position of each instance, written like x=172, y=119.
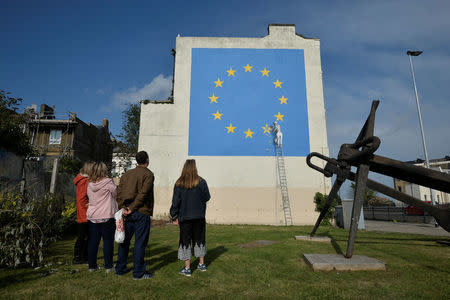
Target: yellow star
x=218, y=82
x=266, y=128
x=279, y=116
x=213, y=98
x=248, y=133
x=277, y=83
x=217, y=115
x=248, y=68
x=283, y=100
x=231, y=72
x=230, y=128
x=265, y=72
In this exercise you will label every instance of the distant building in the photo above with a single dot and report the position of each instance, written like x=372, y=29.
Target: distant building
x=121, y=162
x=421, y=192
x=58, y=134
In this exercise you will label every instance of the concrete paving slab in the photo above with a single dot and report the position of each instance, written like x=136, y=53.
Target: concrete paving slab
x=324, y=239
x=330, y=262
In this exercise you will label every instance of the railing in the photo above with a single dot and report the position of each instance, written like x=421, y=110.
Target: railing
x=389, y=213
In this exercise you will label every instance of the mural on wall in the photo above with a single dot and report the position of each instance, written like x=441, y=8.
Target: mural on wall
x=237, y=94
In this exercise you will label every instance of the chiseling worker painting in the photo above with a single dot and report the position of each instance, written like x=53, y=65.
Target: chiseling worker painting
x=237, y=94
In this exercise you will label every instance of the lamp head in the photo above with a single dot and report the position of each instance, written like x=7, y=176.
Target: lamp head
x=414, y=53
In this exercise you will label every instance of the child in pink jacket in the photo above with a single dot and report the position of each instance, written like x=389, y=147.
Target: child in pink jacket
x=101, y=192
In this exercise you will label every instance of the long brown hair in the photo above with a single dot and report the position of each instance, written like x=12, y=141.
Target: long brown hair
x=99, y=171
x=189, y=176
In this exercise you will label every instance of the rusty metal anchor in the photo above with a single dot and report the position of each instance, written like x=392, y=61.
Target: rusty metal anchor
x=361, y=155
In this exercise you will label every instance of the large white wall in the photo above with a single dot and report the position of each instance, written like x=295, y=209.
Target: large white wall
x=243, y=189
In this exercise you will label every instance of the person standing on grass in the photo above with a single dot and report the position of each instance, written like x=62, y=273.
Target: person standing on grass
x=188, y=209
x=101, y=192
x=81, y=245
x=135, y=196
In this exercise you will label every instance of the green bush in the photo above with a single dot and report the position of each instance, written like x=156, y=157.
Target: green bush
x=28, y=225
x=69, y=165
x=320, y=200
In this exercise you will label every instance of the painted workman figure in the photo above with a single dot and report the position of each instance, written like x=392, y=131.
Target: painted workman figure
x=278, y=134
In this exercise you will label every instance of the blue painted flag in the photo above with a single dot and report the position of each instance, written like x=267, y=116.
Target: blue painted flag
x=237, y=94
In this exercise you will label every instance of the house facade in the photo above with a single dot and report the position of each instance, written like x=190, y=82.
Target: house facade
x=64, y=134
x=421, y=192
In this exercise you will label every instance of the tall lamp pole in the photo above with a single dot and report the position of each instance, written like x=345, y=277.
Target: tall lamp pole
x=427, y=162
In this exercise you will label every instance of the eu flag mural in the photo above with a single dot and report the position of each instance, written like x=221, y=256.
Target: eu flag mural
x=237, y=94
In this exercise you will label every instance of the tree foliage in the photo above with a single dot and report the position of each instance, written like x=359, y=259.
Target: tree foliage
x=28, y=225
x=12, y=136
x=320, y=200
x=69, y=165
x=130, y=129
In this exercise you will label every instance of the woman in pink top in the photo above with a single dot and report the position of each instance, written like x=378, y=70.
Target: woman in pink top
x=101, y=192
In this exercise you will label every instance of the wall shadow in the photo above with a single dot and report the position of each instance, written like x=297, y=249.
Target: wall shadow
x=156, y=263
x=213, y=254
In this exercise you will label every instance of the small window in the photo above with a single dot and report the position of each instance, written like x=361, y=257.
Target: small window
x=425, y=197
x=55, y=137
x=399, y=188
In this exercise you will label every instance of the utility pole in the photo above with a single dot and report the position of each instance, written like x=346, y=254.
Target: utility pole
x=427, y=161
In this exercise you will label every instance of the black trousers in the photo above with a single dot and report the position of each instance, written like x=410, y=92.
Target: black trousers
x=81, y=245
x=192, y=232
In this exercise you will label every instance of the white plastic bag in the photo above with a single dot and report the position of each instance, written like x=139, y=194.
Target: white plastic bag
x=119, y=236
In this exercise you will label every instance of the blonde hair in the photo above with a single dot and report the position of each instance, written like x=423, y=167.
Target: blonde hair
x=87, y=168
x=98, y=172
x=189, y=176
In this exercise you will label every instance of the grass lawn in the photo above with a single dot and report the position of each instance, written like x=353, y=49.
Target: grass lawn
x=418, y=267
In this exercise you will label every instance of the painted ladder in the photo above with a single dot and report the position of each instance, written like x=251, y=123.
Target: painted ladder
x=283, y=186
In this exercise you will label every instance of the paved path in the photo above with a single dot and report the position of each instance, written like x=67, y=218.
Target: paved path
x=403, y=227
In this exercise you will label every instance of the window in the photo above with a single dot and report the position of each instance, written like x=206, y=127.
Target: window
x=400, y=188
x=425, y=197
x=55, y=137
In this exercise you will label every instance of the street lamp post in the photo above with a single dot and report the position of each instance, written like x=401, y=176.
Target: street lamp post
x=427, y=162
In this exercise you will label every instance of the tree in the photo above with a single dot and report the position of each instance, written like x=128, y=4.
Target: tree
x=130, y=129
x=320, y=200
x=12, y=135
x=380, y=201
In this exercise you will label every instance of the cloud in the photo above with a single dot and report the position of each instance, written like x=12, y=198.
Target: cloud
x=159, y=88
x=396, y=122
x=363, y=55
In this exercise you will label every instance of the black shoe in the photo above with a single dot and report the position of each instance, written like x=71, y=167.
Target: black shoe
x=127, y=270
x=77, y=261
x=146, y=275
x=185, y=272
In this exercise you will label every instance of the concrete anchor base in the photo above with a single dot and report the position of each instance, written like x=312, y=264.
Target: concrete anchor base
x=330, y=262
x=325, y=239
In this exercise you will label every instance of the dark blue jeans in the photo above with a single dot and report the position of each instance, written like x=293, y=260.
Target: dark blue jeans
x=139, y=224
x=96, y=232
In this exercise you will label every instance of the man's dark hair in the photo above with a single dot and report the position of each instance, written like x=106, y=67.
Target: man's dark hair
x=141, y=157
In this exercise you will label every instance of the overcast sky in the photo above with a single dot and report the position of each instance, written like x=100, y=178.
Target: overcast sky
x=91, y=57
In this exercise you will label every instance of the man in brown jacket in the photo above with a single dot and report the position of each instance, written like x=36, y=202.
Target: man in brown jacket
x=135, y=196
